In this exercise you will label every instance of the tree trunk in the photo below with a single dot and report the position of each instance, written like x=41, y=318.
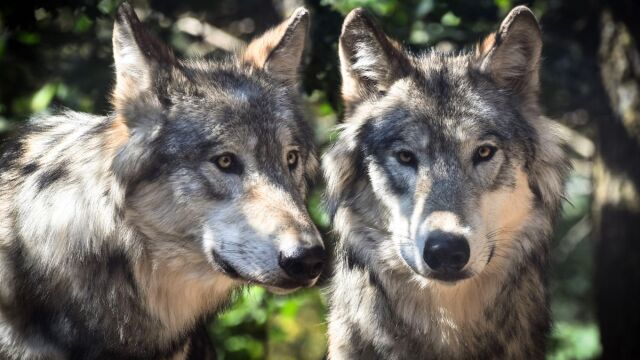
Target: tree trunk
x=617, y=185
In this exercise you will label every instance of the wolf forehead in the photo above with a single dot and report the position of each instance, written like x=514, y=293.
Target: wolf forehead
x=227, y=104
x=446, y=98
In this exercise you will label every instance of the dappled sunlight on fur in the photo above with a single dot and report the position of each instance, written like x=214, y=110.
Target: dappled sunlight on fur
x=120, y=235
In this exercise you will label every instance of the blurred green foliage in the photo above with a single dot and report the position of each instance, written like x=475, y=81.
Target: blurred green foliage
x=57, y=54
x=261, y=325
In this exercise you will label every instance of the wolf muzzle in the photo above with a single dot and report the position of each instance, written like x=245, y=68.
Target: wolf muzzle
x=303, y=264
x=446, y=253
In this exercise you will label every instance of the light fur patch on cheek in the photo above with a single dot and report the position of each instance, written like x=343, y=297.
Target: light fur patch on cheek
x=505, y=211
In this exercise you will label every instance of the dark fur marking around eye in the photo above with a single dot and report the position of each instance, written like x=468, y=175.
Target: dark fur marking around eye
x=407, y=158
x=293, y=157
x=398, y=185
x=484, y=153
x=228, y=163
x=376, y=143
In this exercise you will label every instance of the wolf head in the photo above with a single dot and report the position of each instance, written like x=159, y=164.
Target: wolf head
x=450, y=148
x=216, y=156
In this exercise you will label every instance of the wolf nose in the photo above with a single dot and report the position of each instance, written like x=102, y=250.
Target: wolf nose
x=446, y=252
x=303, y=264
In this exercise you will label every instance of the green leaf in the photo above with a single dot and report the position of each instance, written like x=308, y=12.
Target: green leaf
x=575, y=341
x=4, y=124
x=424, y=8
x=325, y=109
x=107, y=6
x=290, y=308
x=82, y=24
x=381, y=7
x=450, y=19
x=41, y=14
x=503, y=5
x=42, y=98
x=28, y=38
x=317, y=211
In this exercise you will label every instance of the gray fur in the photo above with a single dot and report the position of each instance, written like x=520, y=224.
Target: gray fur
x=119, y=234
x=385, y=301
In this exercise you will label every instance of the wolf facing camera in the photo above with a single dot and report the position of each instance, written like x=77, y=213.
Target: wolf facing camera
x=443, y=187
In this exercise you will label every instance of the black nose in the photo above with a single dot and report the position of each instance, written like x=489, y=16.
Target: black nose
x=303, y=264
x=446, y=252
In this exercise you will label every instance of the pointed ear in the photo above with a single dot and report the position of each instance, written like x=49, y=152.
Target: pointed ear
x=279, y=50
x=369, y=60
x=140, y=58
x=144, y=67
x=511, y=56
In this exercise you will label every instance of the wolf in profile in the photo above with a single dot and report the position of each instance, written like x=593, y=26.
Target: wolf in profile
x=121, y=234
x=443, y=187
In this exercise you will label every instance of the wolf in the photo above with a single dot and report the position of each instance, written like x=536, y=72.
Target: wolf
x=120, y=235
x=443, y=186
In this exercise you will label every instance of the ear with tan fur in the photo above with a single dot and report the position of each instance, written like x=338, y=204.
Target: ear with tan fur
x=140, y=58
x=512, y=55
x=144, y=67
x=279, y=50
x=369, y=60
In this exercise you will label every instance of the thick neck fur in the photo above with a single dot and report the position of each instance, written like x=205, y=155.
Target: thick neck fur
x=65, y=234
x=177, y=293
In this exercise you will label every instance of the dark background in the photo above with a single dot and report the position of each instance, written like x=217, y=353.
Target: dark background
x=57, y=54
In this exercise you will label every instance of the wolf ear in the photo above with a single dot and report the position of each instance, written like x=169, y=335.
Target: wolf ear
x=144, y=65
x=279, y=50
x=512, y=54
x=369, y=60
x=140, y=58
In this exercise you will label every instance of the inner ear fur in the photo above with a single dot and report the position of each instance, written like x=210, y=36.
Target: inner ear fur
x=140, y=59
x=279, y=50
x=511, y=55
x=369, y=60
x=144, y=68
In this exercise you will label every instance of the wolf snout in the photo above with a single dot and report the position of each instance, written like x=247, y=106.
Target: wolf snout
x=303, y=264
x=446, y=252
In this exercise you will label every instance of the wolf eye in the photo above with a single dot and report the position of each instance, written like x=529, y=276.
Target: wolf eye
x=406, y=157
x=292, y=159
x=226, y=162
x=484, y=153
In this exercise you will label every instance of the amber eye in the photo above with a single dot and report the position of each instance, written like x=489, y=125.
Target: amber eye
x=292, y=158
x=228, y=163
x=406, y=157
x=225, y=162
x=484, y=153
